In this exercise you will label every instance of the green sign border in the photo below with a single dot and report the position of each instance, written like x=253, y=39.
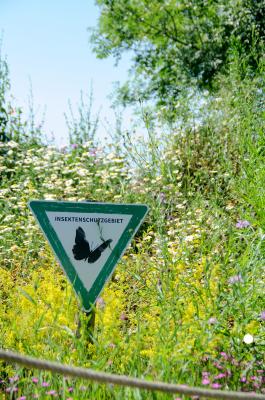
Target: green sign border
x=138, y=212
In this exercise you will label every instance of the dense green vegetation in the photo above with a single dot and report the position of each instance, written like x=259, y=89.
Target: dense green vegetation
x=186, y=303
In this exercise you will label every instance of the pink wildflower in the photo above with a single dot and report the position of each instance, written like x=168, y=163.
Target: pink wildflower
x=218, y=365
x=11, y=389
x=35, y=380
x=216, y=386
x=45, y=384
x=206, y=381
x=220, y=376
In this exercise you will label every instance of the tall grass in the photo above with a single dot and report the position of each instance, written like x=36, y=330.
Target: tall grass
x=186, y=303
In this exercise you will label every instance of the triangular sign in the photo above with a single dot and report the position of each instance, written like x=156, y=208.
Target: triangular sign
x=88, y=239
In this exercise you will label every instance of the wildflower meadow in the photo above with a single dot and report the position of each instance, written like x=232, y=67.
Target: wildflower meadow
x=186, y=302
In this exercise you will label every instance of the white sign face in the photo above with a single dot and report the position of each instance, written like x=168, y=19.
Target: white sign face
x=96, y=229
x=88, y=239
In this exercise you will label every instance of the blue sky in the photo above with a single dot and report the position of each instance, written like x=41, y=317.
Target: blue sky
x=47, y=44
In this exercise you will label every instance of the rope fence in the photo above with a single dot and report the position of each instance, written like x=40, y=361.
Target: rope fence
x=106, y=378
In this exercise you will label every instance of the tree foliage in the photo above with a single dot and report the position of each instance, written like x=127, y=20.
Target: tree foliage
x=4, y=86
x=178, y=42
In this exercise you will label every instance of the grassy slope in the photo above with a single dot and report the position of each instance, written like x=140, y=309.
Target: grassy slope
x=190, y=287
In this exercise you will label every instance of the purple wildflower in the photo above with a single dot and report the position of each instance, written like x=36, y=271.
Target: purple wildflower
x=13, y=379
x=63, y=149
x=262, y=315
x=92, y=152
x=35, y=380
x=162, y=197
x=212, y=321
x=51, y=392
x=206, y=381
x=243, y=379
x=235, y=279
x=22, y=398
x=70, y=389
x=241, y=224
x=45, y=384
x=74, y=145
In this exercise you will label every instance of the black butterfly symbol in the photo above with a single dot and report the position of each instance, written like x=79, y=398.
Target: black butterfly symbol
x=81, y=249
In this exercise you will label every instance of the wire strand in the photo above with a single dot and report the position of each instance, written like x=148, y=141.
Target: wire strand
x=123, y=380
